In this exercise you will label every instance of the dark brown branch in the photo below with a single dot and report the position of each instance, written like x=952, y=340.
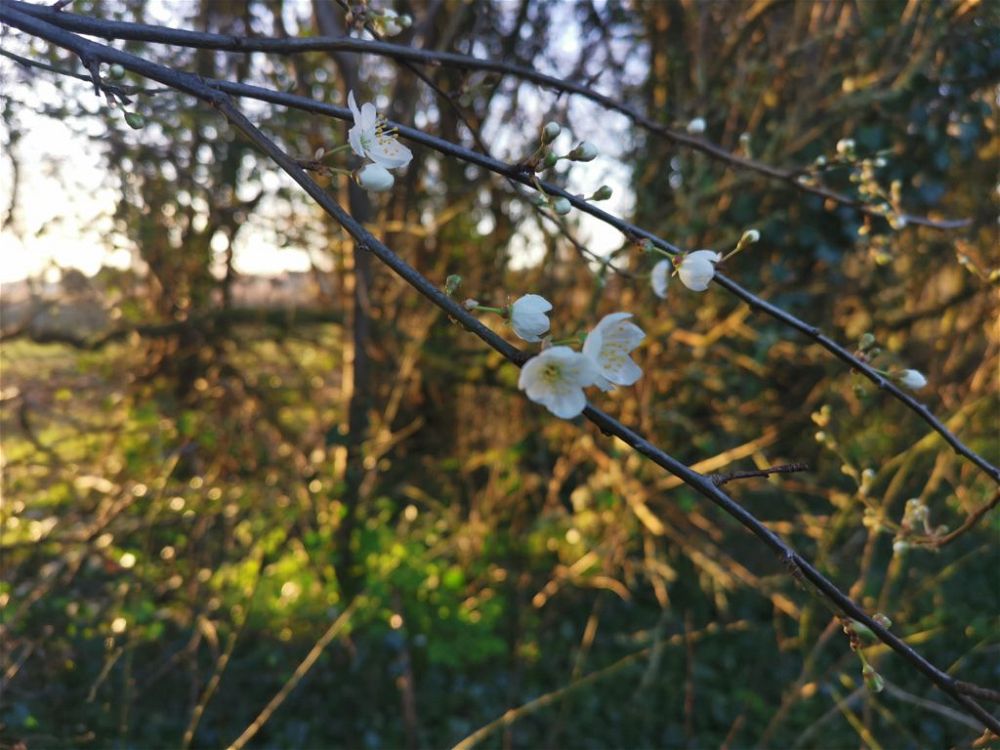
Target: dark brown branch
x=970, y=523
x=985, y=694
x=721, y=479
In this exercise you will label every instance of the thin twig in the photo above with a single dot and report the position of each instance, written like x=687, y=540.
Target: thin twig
x=300, y=671
x=970, y=523
x=721, y=479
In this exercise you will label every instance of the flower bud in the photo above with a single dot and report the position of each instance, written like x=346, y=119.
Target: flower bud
x=601, y=194
x=550, y=132
x=452, y=283
x=584, y=151
x=882, y=620
x=696, y=126
x=749, y=237
x=116, y=71
x=845, y=146
x=470, y=304
x=873, y=680
x=549, y=160
x=912, y=379
x=375, y=178
x=135, y=120
x=561, y=206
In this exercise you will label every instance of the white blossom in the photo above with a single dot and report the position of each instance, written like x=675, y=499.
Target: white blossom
x=556, y=379
x=371, y=139
x=913, y=379
x=390, y=23
x=528, y=317
x=608, y=347
x=661, y=278
x=374, y=177
x=696, y=126
x=697, y=269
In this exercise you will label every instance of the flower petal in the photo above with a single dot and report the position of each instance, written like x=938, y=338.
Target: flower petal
x=660, y=278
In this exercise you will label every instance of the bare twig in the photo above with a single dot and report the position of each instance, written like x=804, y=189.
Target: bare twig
x=721, y=479
x=970, y=523
x=300, y=671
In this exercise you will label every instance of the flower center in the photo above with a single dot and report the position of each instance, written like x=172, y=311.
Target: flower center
x=613, y=355
x=551, y=373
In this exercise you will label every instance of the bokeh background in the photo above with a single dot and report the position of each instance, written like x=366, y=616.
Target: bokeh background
x=221, y=425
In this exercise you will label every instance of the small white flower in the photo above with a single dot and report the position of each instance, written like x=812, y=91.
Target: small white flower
x=556, y=379
x=608, y=347
x=912, y=379
x=697, y=126
x=374, y=177
x=697, y=269
x=661, y=278
x=528, y=317
x=370, y=139
x=390, y=23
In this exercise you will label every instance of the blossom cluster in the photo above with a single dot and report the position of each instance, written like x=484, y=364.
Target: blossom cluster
x=557, y=376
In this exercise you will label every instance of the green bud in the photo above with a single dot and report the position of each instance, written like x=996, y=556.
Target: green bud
x=452, y=283
x=601, y=194
x=873, y=680
x=550, y=160
x=135, y=120
x=116, y=71
x=882, y=620
x=867, y=341
x=561, y=206
x=550, y=132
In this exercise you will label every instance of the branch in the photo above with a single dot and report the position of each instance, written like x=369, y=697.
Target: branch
x=608, y=425
x=277, y=45
x=970, y=522
x=721, y=479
